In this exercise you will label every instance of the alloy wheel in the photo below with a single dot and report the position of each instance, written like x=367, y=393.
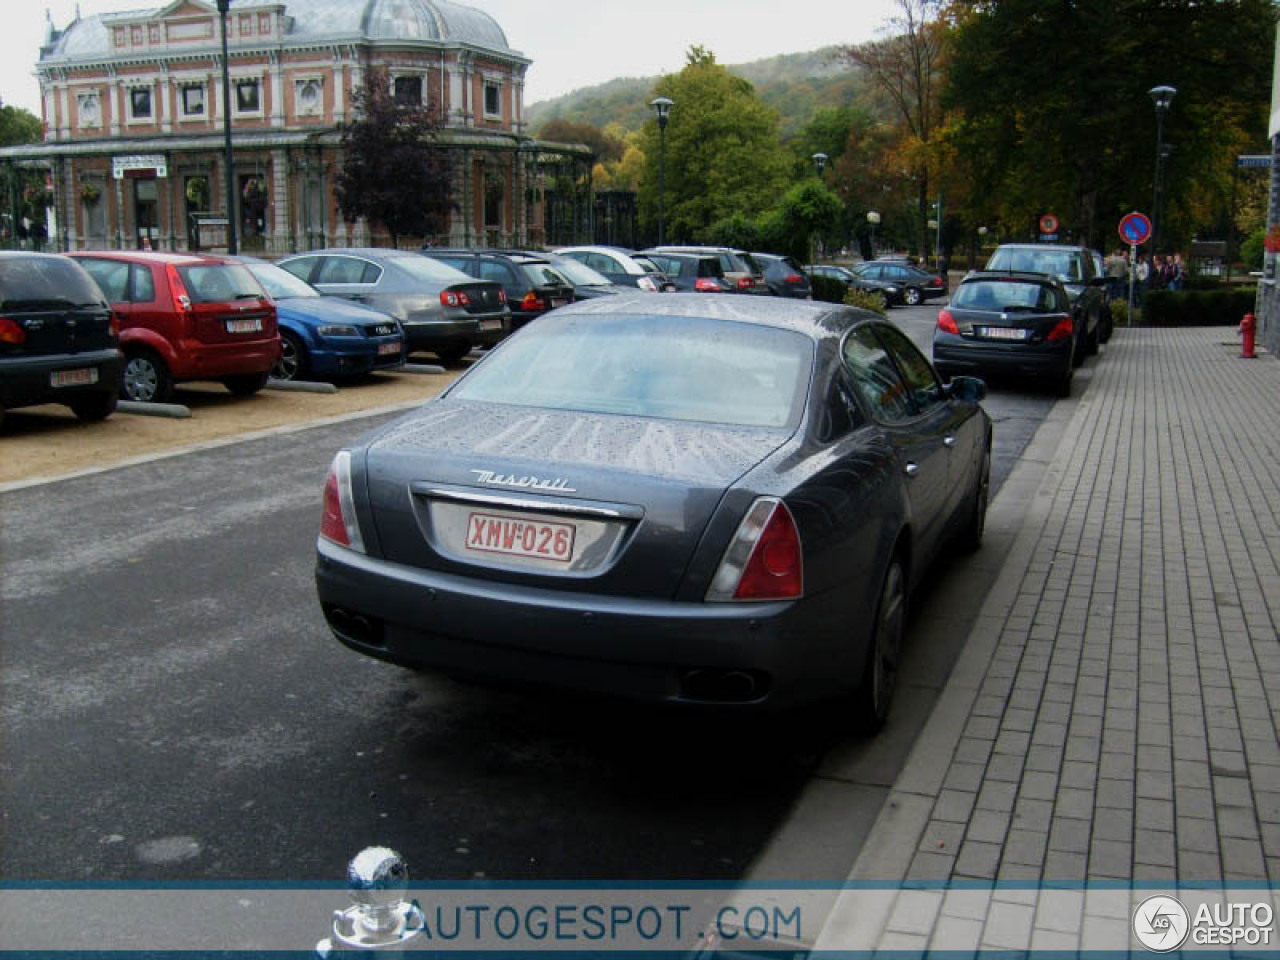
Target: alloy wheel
x=141, y=379
x=888, y=642
x=290, y=361
x=913, y=297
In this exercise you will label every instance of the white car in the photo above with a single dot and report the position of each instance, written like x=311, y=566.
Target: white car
x=621, y=267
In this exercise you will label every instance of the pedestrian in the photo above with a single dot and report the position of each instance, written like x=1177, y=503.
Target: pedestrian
x=1142, y=275
x=1175, y=274
x=1117, y=272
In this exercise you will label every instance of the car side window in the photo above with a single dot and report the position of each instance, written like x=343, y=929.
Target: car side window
x=144, y=285
x=458, y=263
x=499, y=272
x=922, y=382
x=111, y=276
x=841, y=412
x=602, y=264
x=875, y=377
x=302, y=268
x=347, y=270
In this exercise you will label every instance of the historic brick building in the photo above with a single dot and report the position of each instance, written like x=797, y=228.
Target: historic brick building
x=132, y=104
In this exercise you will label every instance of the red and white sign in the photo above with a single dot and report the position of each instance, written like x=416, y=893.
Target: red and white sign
x=540, y=539
x=1049, y=223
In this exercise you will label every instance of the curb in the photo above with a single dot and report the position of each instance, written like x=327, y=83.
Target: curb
x=174, y=411
x=300, y=386
x=432, y=368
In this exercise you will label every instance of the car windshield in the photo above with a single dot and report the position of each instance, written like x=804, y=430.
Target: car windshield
x=1003, y=295
x=647, y=265
x=281, y=284
x=579, y=274
x=542, y=274
x=433, y=271
x=1055, y=263
x=26, y=281
x=220, y=282
x=671, y=368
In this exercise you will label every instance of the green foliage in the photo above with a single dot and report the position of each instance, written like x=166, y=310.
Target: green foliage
x=1253, y=251
x=828, y=289
x=392, y=171
x=18, y=126
x=738, y=231
x=723, y=156
x=807, y=210
x=1196, y=308
x=608, y=149
x=1120, y=314
x=866, y=300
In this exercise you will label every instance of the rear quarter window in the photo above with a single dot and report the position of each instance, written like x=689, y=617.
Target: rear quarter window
x=30, y=281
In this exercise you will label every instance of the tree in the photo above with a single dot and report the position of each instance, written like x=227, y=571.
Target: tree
x=393, y=170
x=18, y=126
x=723, y=155
x=606, y=147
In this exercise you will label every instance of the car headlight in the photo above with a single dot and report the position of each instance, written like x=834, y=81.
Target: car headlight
x=338, y=330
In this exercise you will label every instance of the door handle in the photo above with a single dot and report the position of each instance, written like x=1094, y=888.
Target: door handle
x=949, y=440
x=911, y=469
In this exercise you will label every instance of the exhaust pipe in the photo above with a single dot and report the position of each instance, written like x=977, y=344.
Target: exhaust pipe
x=355, y=626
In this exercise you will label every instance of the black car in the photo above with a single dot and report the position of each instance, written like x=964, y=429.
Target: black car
x=693, y=272
x=58, y=338
x=917, y=285
x=1008, y=323
x=888, y=294
x=784, y=277
x=533, y=286
x=677, y=499
x=587, y=283
x=1076, y=268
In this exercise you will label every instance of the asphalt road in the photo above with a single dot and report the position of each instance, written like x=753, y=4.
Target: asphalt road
x=173, y=708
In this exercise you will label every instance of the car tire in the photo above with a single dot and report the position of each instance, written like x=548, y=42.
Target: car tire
x=971, y=536
x=1091, y=340
x=247, y=384
x=94, y=407
x=1063, y=388
x=292, y=364
x=884, y=653
x=146, y=377
x=453, y=353
x=912, y=297
x=1079, y=349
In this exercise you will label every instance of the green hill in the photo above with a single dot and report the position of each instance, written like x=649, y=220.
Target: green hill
x=795, y=83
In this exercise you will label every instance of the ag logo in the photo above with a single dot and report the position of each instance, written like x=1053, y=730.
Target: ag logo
x=1161, y=924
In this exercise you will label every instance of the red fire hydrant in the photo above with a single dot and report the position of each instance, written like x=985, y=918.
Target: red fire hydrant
x=1248, y=330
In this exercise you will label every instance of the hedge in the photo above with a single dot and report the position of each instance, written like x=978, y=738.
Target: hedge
x=1196, y=308
x=828, y=289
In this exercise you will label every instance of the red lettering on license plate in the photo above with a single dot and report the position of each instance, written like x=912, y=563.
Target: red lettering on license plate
x=541, y=539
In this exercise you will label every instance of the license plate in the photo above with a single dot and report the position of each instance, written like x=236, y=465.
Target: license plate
x=387, y=349
x=557, y=302
x=494, y=324
x=1004, y=333
x=74, y=378
x=540, y=539
x=245, y=326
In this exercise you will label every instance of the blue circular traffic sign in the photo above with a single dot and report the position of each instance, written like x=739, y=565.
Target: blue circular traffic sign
x=1135, y=228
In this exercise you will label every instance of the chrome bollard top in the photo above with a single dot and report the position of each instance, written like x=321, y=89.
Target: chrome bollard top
x=377, y=877
x=379, y=918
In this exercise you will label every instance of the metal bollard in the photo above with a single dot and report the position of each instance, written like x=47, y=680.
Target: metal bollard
x=1248, y=331
x=379, y=917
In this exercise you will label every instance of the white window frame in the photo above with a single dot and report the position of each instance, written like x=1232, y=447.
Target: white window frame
x=183, y=87
x=236, y=83
x=129, y=91
x=419, y=75
x=496, y=83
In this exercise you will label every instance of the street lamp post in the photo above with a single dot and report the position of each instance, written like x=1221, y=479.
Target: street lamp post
x=1162, y=97
x=232, y=247
x=819, y=164
x=873, y=221
x=663, y=107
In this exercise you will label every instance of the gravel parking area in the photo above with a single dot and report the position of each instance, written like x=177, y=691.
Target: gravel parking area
x=48, y=441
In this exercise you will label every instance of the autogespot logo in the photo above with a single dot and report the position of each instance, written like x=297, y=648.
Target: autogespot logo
x=1161, y=924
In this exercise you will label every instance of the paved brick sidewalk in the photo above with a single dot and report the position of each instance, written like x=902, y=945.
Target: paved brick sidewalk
x=1114, y=714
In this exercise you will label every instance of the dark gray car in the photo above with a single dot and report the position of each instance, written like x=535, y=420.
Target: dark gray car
x=680, y=499
x=1075, y=268
x=441, y=309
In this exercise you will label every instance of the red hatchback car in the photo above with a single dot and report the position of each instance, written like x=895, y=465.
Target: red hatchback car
x=186, y=317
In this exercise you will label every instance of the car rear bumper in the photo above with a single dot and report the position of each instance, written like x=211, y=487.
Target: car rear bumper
x=345, y=358
x=742, y=655
x=26, y=381
x=429, y=334
x=197, y=360
x=957, y=355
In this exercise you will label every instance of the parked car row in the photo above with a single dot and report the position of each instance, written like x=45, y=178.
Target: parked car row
x=893, y=281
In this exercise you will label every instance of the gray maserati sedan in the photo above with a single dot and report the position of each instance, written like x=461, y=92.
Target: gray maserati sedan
x=679, y=499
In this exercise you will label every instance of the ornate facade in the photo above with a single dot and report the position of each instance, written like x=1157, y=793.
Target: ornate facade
x=132, y=105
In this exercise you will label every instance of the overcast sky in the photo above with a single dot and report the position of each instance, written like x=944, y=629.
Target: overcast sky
x=573, y=43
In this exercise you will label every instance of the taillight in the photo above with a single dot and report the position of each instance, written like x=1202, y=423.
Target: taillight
x=531, y=301
x=706, y=285
x=115, y=325
x=178, y=289
x=338, y=524
x=794, y=278
x=746, y=283
x=454, y=298
x=764, y=560
x=502, y=296
x=947, y=323
x=1062, y=330
x=10, y=332
x=938, y=281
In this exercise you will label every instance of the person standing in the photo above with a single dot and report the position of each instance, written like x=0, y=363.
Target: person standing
x=1175, y=275
x=1117, y=272
x=1142, y=275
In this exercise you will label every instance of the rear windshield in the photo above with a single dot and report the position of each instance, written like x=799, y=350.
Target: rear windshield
x=1056, y=263
x=281, y=284
x=543, y=274
x=32, y=281
x=1004, y=295
x=433, y=271
x=670, y=368
x=579, y=274
x=220, y=283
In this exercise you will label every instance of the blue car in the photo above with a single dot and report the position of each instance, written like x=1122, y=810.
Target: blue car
x=326, y=337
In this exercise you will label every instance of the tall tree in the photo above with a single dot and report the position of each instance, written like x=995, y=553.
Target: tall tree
x=394, y=172
x=723, y=155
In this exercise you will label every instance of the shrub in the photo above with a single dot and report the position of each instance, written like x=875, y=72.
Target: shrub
x=1196, y=308
x=828, y=289
x=865, y=300
x=1253, y=250
x=1120, y=314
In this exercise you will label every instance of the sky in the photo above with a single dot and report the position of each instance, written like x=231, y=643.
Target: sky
x=573, y=43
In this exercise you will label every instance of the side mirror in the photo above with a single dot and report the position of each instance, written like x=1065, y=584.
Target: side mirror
x=968, y=389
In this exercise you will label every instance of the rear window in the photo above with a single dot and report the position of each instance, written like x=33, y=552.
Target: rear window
x=220, y=283
x=579, y=274
x=647, y=265
x=1055, y=263
x=543, y=274
x=32, y=281
x=669, y=368
x=1004, y=295
x=433, y=271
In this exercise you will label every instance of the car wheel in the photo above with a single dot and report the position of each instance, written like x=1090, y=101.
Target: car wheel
x=292, y=364
x=971, y=538
x=1078, y=349
x=880, y=675
x=1091, y=340
x=913, y=297
x=94, y=407
x=453, y=353
x=1063, y=388
x=146, y=378
x=246, y=385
